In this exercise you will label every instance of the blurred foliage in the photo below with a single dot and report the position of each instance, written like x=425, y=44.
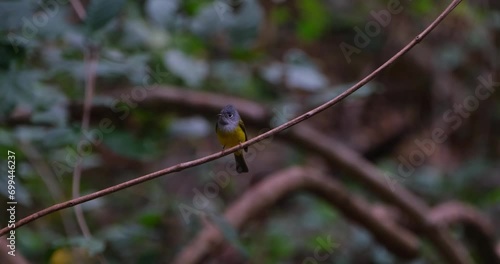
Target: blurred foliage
x=285, y=54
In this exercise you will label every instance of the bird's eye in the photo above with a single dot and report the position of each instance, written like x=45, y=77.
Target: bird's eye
x=230, y=115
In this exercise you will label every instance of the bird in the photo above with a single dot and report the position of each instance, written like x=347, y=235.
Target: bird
x=230, y=131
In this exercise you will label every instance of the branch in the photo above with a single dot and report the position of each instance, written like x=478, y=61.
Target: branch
x=478, y=229
x=277, y=186
x=91, y=61
x=375, y=181
x=336, y=153
x=49, y=179
x=189, y=164
x=79, y=9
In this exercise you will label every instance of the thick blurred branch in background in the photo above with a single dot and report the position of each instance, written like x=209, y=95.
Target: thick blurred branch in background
x=283, y=183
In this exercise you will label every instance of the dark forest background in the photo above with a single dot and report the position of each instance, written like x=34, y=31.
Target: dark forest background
x=333, y=189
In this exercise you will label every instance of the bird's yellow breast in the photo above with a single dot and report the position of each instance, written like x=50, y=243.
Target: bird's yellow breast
x=230, y=139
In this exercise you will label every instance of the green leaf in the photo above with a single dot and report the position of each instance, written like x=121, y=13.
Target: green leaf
x=491, y=197
x=314, y=19
x=101, y=12
x=191, y=7
x=279, y=247
x=280, y=15
x=423, y=7
x=150, y=219
x=17, y=90
x=192, y=70
x=11, y=52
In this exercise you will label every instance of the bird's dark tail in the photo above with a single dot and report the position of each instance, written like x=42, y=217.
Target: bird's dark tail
x=241, y=165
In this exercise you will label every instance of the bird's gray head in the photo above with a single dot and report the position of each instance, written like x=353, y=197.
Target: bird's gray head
x=228, y=118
